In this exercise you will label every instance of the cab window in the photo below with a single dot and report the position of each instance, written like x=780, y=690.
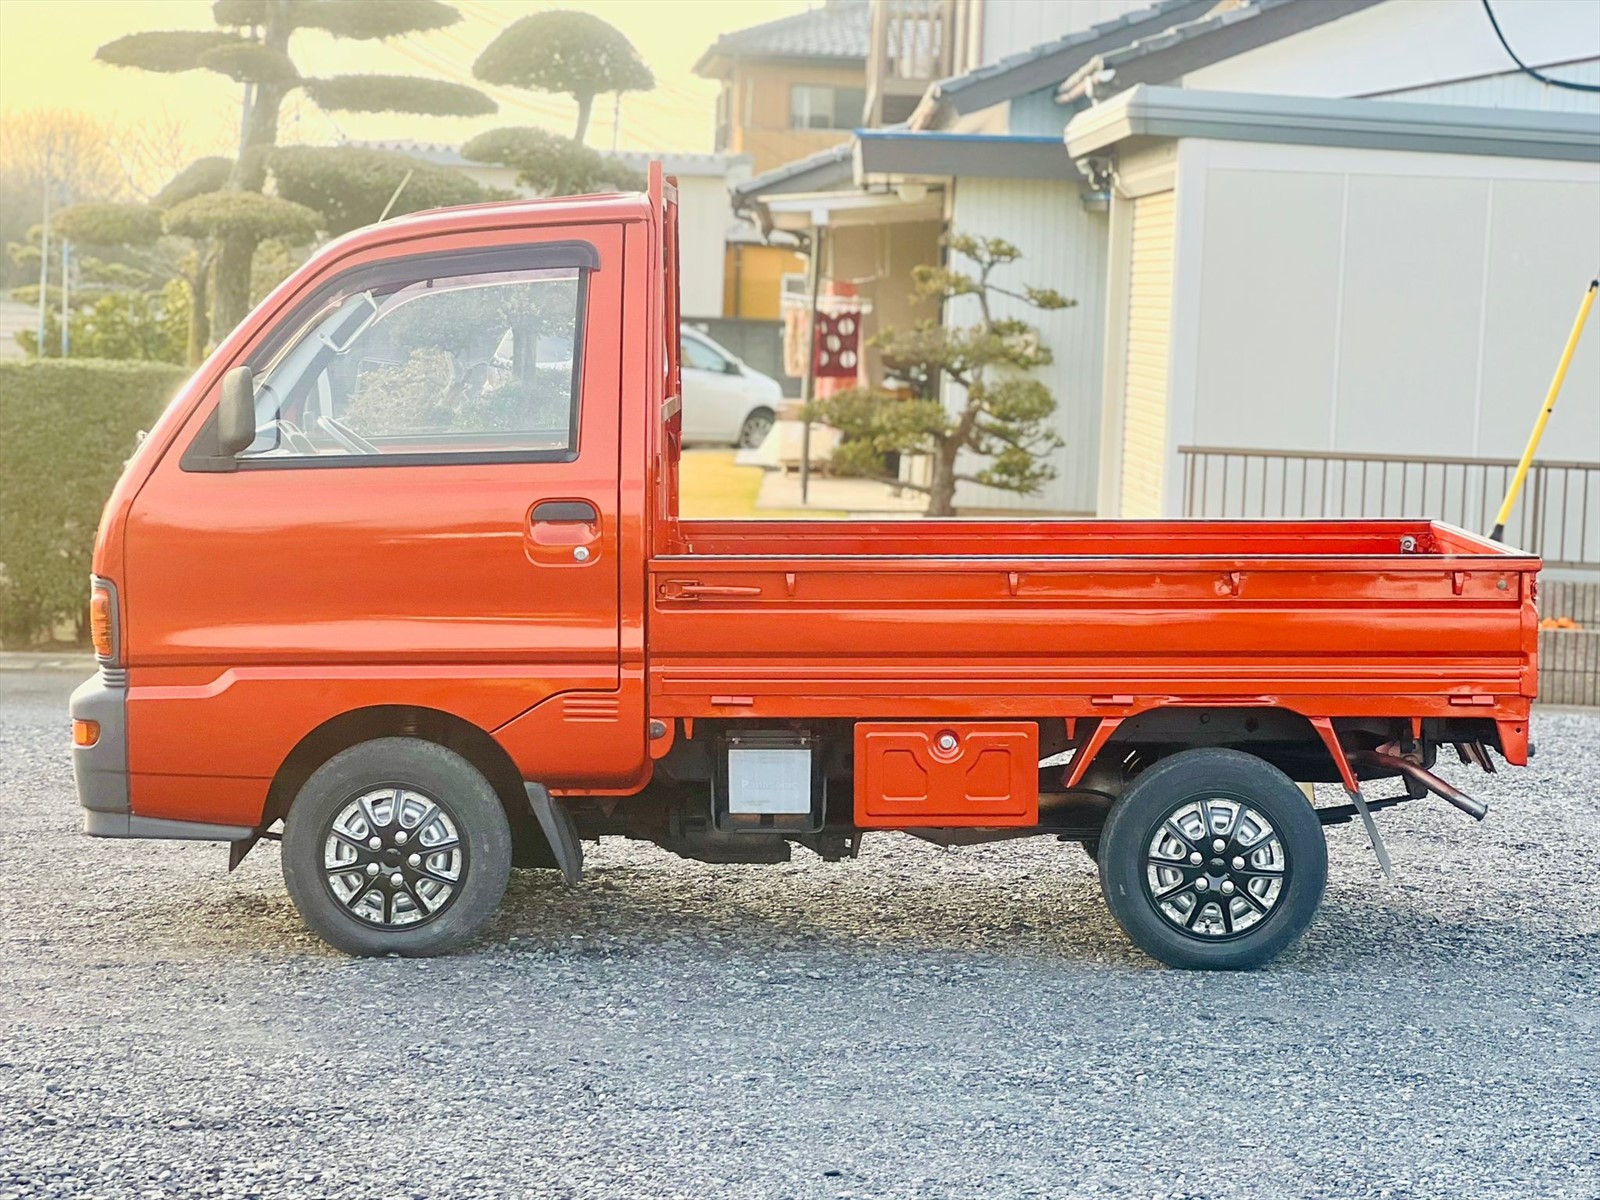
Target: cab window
x=447, y=364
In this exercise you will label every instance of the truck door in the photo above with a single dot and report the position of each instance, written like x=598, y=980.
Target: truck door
x=430, y=508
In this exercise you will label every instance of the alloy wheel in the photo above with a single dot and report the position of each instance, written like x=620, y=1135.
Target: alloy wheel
x=393, y=857
x=1215, y=868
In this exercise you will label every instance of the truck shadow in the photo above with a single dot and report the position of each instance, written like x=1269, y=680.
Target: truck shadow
x=1040, y=905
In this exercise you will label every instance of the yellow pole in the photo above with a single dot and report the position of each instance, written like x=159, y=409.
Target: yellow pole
x=1515, y=489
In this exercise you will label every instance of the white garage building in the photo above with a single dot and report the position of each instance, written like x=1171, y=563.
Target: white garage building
x=1339, y=307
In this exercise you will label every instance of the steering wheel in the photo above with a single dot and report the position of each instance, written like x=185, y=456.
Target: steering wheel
x=345, y=436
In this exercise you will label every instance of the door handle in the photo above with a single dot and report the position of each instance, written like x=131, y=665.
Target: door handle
x=563, y=533
x=679, y=589
x=564, y=512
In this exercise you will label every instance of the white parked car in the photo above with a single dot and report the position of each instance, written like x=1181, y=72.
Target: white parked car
x=725, y=402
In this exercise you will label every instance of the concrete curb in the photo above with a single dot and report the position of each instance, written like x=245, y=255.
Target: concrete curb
x=47, y=660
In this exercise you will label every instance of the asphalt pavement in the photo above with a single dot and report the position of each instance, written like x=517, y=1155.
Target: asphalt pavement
x=918, y=1023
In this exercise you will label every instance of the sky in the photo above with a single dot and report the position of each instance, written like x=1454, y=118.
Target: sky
x=47, y=61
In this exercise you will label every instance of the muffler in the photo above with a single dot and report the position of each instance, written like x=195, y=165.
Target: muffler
x=1476, y=809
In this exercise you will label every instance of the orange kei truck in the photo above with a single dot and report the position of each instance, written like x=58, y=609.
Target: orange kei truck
x=401, y=568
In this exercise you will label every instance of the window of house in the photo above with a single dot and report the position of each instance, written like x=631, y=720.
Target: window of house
x=449, y=363
x=812, y=106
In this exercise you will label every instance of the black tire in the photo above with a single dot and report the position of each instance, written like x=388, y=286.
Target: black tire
x=756, y=427
x=1251, y=923
x=470, y=849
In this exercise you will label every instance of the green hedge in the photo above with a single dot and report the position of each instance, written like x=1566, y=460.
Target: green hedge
x=66, y=428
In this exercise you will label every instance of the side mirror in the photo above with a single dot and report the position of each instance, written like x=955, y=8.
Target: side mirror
x=733, y=367
x=236, y=412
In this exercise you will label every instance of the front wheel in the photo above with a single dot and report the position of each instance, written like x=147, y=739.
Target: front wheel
x=1213, y=859
x=396, y=846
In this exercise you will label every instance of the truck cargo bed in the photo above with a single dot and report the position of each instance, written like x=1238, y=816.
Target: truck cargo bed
x=802, y=618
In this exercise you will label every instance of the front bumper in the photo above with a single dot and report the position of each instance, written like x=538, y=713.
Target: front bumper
x=101, y=771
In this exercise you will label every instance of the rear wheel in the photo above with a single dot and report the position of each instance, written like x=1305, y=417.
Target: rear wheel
x=1213, y=859
x=755, y=428
x=396, y=846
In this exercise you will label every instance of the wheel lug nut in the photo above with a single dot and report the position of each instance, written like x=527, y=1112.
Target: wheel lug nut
x=1227, y=887
x=397, y=879
x=1219, y=845
x=1194, y=859
x=400, y=838
x=374, y=842
x=372, y=868
x=1200, y=885
x=1238, y=862
x=414, y=861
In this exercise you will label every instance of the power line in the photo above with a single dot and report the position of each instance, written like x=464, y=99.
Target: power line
x=436, y=62
x=1571, y=85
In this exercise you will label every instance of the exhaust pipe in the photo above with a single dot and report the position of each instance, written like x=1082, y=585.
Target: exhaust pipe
x=1476, y=809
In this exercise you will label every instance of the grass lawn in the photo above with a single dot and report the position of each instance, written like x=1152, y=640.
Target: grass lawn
x=712, y=485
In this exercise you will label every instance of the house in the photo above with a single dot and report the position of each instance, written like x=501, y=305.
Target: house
x=990, y=142
x=980, y=152
x=796, y=87
x=1310, y=299
x=1394, y=231
x=800, y=84
x=789, y=88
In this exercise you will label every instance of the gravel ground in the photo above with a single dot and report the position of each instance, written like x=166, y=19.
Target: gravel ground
x=915, y=1024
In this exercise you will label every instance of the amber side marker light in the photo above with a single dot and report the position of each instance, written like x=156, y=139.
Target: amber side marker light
x=100, y=622
x=85, y=733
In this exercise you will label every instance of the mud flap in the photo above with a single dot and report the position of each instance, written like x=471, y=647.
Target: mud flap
x=1378, y=847
x=238, y=849
x=559, y=831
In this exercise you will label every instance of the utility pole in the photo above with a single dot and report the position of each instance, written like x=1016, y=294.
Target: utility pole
x=808, y=385
x=44, y=259
x=66, y=285
x=66, y=279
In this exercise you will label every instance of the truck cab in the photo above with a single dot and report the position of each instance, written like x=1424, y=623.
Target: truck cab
x=400, y=573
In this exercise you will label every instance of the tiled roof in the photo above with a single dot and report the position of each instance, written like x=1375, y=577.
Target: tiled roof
x=1032, y=69
x=840, y=29
x=1249, y=25
x=819, y=171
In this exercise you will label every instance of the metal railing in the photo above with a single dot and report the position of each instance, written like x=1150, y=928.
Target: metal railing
x=1557, y=516
x=913, y=43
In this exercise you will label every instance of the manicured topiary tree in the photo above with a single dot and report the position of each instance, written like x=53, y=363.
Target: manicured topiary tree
x=571, y=53
x=553, y=166
x=253, y=47
x=110, y=224
x=122, y=307
x=179, y=240
x=992, y=409
x=350, y=186
x=199, y=177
